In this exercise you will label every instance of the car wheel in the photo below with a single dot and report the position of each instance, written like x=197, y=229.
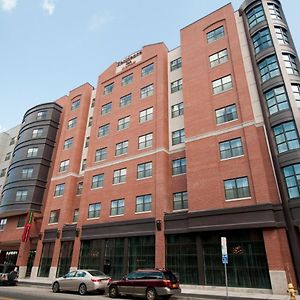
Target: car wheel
x=55, y=287
x=82, y=289
x=151, y=294
x=113, y=291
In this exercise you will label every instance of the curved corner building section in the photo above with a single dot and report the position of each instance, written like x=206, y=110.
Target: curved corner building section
x=277, y=70
x=28, y=172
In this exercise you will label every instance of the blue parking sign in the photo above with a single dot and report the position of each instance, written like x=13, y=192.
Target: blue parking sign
x=225, y=259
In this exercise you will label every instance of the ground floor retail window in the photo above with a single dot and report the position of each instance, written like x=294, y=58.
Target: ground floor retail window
x=8, y=257
x=141, y=252
x=106, y=255
x=181, y=257
x=196, y=259
x=65, y=257
x=46, y=259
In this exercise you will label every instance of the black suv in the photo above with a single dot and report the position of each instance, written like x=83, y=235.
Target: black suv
x=150, y=283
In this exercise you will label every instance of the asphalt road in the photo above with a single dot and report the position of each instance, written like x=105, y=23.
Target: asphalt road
x=41, y=293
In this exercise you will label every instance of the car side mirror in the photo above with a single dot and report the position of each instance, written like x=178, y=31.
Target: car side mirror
x=65, y=276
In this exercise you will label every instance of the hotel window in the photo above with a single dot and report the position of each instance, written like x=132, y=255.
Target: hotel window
x=226, y=114
x=120, y=176
x=147, y=91
x=90, y=123
x=236, y=188
x=127, y=80
x=145, y=141
x=147, y=70
x=64, y=165
x=175, y=64
x=27, y=173
x=108, y=89
x=124, y=123
x=41, y=115
x=94, y=210
x=72, y=123
x=296, y=92
x=231, y=148
x=75, y=215
x=36, y=133
x=215, y=34
x=121, y=148
x=68, y=143
x=32, y=152
x=12, y=141
x=106, y=108
x=222, y=84
x=59, y=189
x=176, y=85
x=54, y=216
x=274, y=11
x=75, y=104
x=2, y=223
x=290, y=64
x=277, y=100
x=117, y=207
x=87, y=142
x=179, y=166
x=79, y=188
x=103, y=130
x=3, y=172
x=97, y=181
x=101, y=154
x=262, y=40
x=143, y=203
x=255, y=15
x=146, y=115
x=125, y=100
x=21, y=221
x=177, y=110
x=268, y=68
x=144, y=170
x=282, y=36
x=83, y=164
x=292, y=175
x=218, y=58
x=93, y=103
x=7, y=156
x=180, y=200
x=286, y=137
x=21, y=195
x=178, y=137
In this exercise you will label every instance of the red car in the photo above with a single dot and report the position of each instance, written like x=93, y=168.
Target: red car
x=150, y=283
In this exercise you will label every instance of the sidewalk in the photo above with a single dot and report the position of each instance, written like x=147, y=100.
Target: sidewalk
x=191, y=292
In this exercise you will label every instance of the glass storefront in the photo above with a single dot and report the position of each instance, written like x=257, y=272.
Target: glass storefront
x=65, y=258
x=141, y=252
x=181, y=257
x=46, y=259
x=247, y=265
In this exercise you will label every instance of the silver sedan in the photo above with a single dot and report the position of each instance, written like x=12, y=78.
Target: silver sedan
x=82, y=281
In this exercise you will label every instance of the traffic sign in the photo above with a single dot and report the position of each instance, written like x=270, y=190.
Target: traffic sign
x=225, y=259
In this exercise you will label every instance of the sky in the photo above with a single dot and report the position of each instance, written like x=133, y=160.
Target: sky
x=49, y=47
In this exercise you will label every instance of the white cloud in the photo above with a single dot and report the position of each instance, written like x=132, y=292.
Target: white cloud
x=2, y=128
x=8, y=5
x=49, y=6
x=98, y=20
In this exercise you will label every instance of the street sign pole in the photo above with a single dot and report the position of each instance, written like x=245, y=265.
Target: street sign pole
x=225, y=261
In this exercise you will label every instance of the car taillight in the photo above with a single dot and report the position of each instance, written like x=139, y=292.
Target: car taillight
x=109, y=280
x=96, y=280
x=170, y=284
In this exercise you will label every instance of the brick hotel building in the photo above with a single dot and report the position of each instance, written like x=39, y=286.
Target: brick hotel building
x=172, y=150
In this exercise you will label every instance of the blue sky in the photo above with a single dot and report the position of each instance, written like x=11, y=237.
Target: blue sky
x=48, y=47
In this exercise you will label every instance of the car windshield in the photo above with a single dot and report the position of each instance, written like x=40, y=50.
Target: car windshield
x=96, y=273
